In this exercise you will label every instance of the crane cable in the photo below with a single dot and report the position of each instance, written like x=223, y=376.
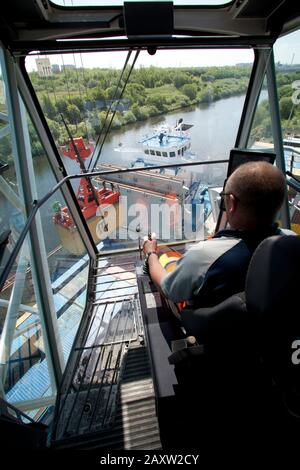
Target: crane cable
x=110, y=108
x=118, y=100
x=79, y=90
x=66, y=76
x=83, y=170
x=115, y=110
x=87, y=96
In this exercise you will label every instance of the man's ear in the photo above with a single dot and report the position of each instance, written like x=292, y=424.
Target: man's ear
x=232, y=203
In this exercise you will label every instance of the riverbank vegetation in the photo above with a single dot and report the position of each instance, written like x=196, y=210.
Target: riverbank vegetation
x=87, y=98
x=288, y=93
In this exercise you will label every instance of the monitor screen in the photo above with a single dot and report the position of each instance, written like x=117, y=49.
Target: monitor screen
x=239, y=156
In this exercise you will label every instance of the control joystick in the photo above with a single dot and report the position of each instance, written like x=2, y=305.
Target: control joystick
x=151, y=236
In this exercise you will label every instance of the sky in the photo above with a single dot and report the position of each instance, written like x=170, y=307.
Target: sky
x=186, y=58
x=286, y=50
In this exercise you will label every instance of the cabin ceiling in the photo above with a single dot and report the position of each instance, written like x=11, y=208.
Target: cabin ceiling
x=31, y=24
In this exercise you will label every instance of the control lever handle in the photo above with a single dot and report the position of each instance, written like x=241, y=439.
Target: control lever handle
x=151, y=236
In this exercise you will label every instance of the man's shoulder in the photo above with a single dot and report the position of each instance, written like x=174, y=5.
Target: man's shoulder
x=286, y=231
x=210, y=250
x=225, y=238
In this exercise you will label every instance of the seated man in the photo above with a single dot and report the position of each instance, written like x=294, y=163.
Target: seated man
x=215, y=269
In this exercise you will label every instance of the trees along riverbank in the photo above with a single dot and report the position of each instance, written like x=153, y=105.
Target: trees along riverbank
x=85, y=98
x=289, y=109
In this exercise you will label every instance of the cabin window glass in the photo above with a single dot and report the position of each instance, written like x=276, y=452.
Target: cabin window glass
x=158, y=154
x=25, y=344
x=65, y=254
x=22, y=336
x=26, y=375
x=287, y=59
x=12, y=216
x=261, y=136
x=82, y=87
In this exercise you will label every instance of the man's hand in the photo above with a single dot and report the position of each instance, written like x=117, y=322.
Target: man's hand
x=149, y=246
x=156, y=271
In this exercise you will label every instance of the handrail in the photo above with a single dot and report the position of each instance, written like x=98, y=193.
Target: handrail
x=293, y=184
x=292, y=149
x=4, y=406
x=36, y=204
x=104, y=253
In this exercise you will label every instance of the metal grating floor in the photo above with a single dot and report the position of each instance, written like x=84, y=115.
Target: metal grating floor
x=109, y=399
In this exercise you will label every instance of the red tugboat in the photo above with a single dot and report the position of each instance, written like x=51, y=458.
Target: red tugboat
x=99, y=206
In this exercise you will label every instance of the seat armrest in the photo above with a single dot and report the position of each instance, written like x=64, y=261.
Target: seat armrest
x=185, y=348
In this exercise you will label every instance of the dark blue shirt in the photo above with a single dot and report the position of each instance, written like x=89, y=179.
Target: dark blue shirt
x=215, y=269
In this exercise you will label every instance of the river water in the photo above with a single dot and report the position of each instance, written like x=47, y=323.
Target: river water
x=213, y=135
x=213, y=132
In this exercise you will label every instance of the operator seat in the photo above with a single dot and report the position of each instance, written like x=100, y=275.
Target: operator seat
x=272, y=300
x=249, y=374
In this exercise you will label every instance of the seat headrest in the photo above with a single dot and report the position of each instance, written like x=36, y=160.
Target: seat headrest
x=273, y=279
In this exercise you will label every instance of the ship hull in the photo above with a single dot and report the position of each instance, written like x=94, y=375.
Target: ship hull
x=70, y=237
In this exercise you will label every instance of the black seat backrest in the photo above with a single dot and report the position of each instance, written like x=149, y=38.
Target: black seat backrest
x=272, y=285
x=249, y=372
x=266, y=322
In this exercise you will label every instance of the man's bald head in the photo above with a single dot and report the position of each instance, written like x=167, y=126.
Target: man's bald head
x=259, y=188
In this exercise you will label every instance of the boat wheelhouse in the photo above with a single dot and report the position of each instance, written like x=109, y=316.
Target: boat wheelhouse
x=166, y=145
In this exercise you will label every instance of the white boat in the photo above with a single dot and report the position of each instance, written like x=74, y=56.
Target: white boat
x=166, y=145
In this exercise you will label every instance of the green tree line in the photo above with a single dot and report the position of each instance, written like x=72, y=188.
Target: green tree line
x=84, y=97
x=289, y=110
x=88, y=97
